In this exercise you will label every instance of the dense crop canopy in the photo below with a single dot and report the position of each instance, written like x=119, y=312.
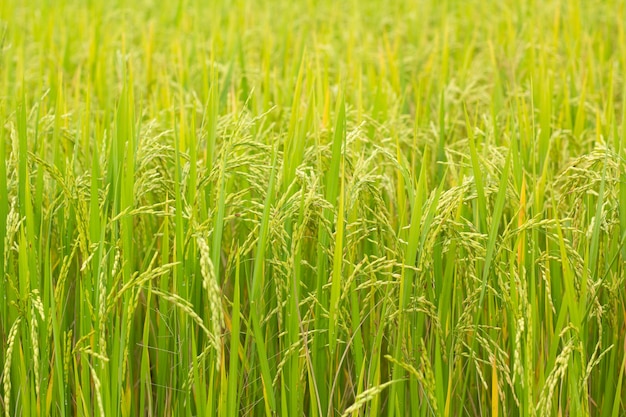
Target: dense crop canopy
x=320, y=208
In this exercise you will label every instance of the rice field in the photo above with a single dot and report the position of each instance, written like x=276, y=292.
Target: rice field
x=312, y=208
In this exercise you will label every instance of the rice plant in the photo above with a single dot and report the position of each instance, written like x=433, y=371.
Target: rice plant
x=320, y=208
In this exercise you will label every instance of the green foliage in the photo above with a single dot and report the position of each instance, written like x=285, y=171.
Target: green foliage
x=320, y=208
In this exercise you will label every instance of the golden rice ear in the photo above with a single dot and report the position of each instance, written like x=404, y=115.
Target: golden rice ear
x=6, y=369
x=214, y=294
